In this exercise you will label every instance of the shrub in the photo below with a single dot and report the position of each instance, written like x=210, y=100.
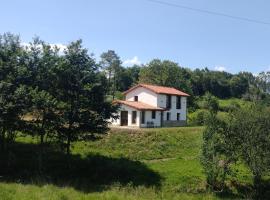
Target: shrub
x=197, y=118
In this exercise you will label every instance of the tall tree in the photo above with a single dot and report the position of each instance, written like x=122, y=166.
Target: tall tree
x=111, y=63
x=41, y=59
x=81, y=94
x=13, y=93
x=239, y=86
x=165, y=73
x=250, y=129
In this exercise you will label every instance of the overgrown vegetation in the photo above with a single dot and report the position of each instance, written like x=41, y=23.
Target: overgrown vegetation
x=243, y=137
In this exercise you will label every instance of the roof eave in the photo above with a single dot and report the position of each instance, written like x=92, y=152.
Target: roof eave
x=182, y=95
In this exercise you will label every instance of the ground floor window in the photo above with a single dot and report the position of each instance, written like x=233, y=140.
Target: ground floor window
x=134, y=117
x=178, y=116
x=153, y=114
x=143, y=117
x=168, y=116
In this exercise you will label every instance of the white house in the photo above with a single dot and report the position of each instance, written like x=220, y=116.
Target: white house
x=152, y=106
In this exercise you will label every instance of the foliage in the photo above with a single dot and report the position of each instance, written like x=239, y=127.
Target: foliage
x=79, y=89
x=215, y=151
x=210, y=103
x=13, y=93
x=165, y=73
x=198, y=117
x=64, y=95
x=110, y=62
x=244, y=136
x=250, y=129
x=196, y=82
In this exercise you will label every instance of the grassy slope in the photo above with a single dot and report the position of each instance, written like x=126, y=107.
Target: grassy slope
x=149, y=164
x=227, y=102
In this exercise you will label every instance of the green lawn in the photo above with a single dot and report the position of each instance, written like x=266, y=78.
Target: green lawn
x=145, y=164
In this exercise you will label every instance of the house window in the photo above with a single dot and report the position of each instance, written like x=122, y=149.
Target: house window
x=143, y=117
x=178, y=116
x=153, y=114
x=135, y=98
x=168, y=116
x=168, y=101
x=178, y=102
x=134, y=117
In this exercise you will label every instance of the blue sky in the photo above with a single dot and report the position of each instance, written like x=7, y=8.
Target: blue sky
x=139, y=30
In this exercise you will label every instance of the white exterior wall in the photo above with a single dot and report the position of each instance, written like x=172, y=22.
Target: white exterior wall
x=144, y=95
x=148, y=118
x=129, y=109
x=173, y=110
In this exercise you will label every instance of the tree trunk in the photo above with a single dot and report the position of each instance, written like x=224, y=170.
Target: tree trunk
x=3, y=139
x=257, y=180
x=68, y=143
x=109, y=82
x=41, y=151
x=114, y=86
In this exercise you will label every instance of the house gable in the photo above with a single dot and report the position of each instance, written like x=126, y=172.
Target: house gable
x=144, y=95
x=159, y=90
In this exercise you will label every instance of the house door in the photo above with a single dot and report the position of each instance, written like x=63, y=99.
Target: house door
x=124, y=118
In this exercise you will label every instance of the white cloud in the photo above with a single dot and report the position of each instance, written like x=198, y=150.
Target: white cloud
x=133, y=61
x=61, y=47
x=220, y=68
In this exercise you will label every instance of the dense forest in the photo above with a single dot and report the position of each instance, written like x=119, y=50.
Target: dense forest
x=195, y=82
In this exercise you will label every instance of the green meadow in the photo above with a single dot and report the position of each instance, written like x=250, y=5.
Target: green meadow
x=162, y=163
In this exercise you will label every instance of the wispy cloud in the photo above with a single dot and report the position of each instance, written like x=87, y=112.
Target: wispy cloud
x=220, y=68
x=61, y=47
x=133, y=61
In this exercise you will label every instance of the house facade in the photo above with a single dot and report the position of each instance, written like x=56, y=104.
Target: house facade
x=152, y=106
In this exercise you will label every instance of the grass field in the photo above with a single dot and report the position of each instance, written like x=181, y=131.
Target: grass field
x=144, y=164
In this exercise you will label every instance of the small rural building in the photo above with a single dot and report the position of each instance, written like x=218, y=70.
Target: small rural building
x=152, y=106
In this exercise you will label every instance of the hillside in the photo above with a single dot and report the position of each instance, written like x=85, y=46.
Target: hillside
x=125, y=164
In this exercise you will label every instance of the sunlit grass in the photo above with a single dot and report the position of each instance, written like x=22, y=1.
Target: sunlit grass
x=170, y=154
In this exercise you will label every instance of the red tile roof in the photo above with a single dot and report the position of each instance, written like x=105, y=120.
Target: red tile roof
x=159, y=90
x=138, y=105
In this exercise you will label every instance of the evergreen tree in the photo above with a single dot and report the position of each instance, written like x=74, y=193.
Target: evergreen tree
x=111, y=63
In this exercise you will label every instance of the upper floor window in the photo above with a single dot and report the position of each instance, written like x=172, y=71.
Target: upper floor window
x=135, y=98
x=168, y=101
x=178, y=102
x=153, y=114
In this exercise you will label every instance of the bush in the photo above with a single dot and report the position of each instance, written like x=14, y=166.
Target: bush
x=241, y=136
x=233, y=105
x=198, y=117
